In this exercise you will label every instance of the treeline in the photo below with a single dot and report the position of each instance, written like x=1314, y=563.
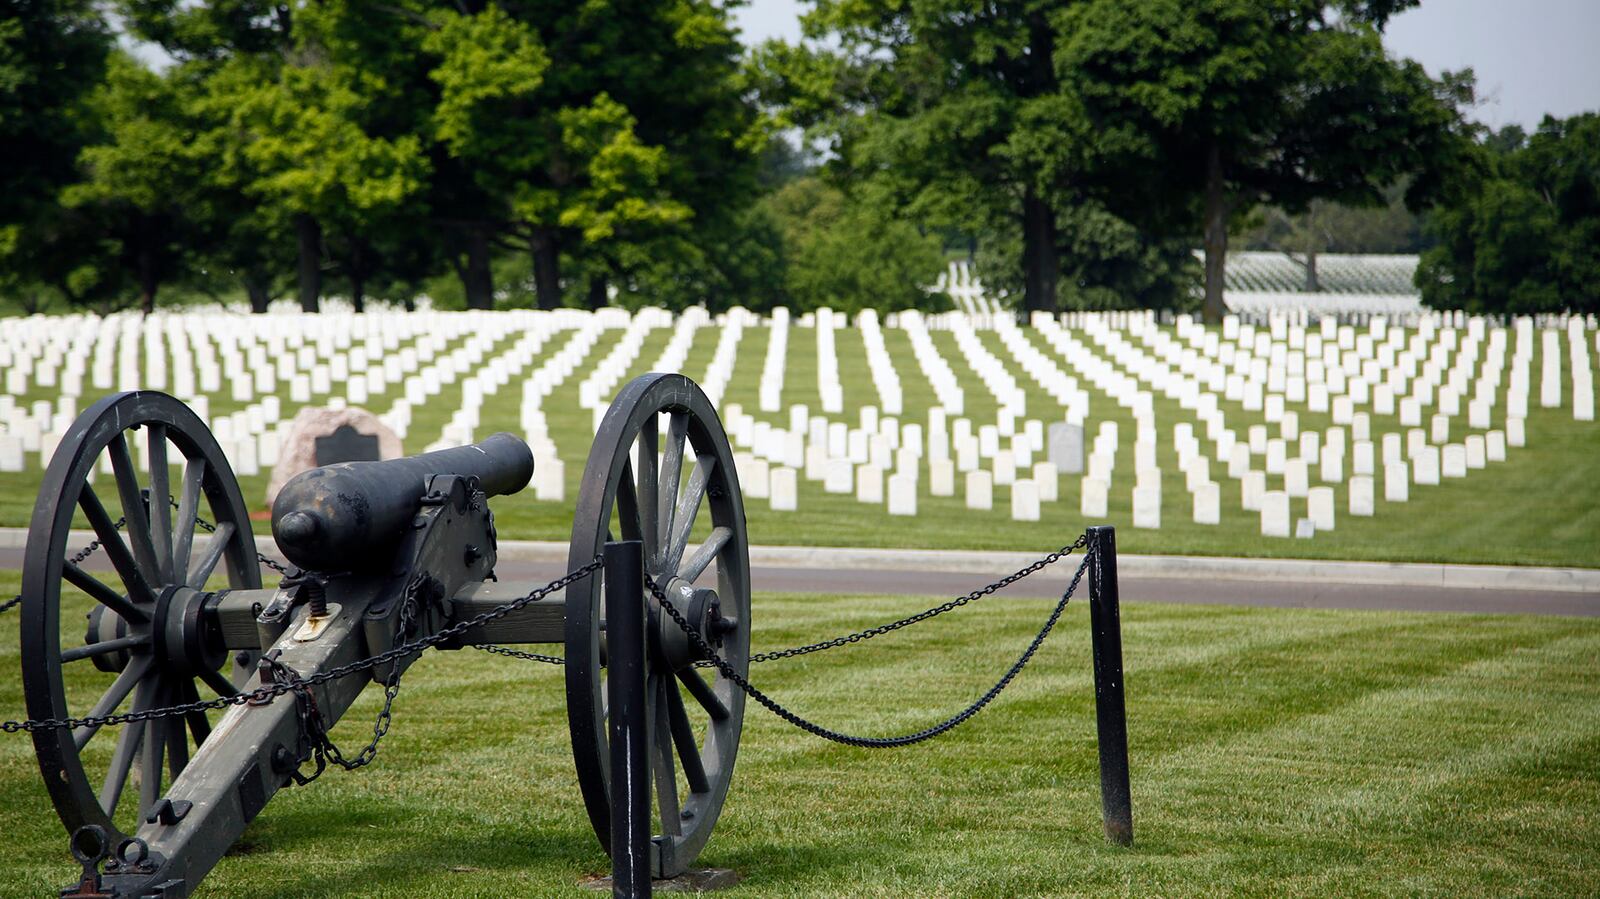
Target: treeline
x=555, y=153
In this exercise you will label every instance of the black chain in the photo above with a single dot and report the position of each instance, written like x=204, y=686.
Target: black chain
x=94, y=545
x=927, y=733
x=316, y=743
x=956, y=603
x=76, y=559
x=269, y=692
x=519, y=654
x=210, y=528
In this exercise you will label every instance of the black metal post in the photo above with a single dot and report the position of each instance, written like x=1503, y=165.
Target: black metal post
x=625, y=687
x=1105, y=623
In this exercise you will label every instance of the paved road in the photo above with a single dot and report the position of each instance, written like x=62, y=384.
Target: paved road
x=1050, y=583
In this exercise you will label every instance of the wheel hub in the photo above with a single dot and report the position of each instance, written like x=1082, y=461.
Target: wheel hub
x=701, y=607
x=185, y=641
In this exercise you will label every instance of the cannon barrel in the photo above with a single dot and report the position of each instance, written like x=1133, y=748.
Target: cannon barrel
x=333, y=518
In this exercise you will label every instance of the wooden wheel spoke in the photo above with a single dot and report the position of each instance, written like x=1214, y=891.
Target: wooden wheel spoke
x=90, y=650
x=103, y=594
x=160, y=502
x=177, y=743
x=688, y=508
x=155, y=739
x=671, y=471
x=194, y=473
x=218, y=682
x=130, y=677
x=665, y=773
x=203, y=566
x=117, y=551
x=628, y=505
x=703, y=694
x=683, y=738
x=649, y=480
x=128, y=744
x=695, y=565
x=199, y=724
x=133, y=509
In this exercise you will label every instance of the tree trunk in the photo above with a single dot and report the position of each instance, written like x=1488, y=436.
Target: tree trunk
x=148, y=282
x=1040, y=260
x=309, y=236
x=477, y=279
x=546, y=250
x=1216, y=237
x=356, y=267
x=598, y=294
x=1312, y=284
x=255, y=288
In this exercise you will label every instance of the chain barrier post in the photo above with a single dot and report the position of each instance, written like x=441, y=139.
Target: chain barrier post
x=1105, y=624
x=625, y=687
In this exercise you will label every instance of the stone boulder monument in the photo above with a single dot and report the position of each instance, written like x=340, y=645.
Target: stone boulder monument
x=322, y=436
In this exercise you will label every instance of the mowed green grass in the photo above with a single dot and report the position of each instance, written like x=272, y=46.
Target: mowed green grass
x=1540, y=507
x=1274, y=752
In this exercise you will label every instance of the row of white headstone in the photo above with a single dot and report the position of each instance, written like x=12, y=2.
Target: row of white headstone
x=1334, y=369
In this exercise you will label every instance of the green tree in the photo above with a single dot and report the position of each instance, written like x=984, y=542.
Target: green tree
x=950, y=109
x=138, y=181
x=52, y=55
x=1205, y=109
x=1523, y=234
x=1107, y=263
x=848, y=254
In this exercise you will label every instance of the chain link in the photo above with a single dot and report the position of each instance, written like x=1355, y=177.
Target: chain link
x=727, y=670
x=94, y=545
x=269, y=692
x=519, y=654
x=956, y=603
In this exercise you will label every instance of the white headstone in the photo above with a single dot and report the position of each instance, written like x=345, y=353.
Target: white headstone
x=869, y=484
x=1319, y=507
x=1515, y=433
x=1251, y=488
x=1275, y=514
x=1092, y=499
x=980, y=490
x=1425, y=466
x=1147, y=507
x=1361, y=501
x=839, y=476
x=1396, y=482
x=784, y=489
x=1296, y=478
x=1494, y=446
x=1024, y=500
x=941, y=477
x=1362, y=461
x=1046, y=478
x=1208, y=504
x=1455, y=461
x=902, y=495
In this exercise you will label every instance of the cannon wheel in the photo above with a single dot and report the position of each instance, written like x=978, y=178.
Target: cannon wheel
x=629, y=493
x=145, y=633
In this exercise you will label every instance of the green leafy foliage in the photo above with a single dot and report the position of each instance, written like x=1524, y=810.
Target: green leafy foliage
x=1525, y=236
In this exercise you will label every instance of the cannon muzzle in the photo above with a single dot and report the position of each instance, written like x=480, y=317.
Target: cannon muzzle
x=333, y=518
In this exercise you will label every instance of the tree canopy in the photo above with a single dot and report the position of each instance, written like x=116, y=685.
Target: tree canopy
x=1524, y=236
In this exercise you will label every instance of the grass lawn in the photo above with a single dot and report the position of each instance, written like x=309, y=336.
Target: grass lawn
x=1540, y=507
x=1274, y=752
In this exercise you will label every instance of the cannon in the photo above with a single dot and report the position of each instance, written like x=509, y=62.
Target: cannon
x=219, y=689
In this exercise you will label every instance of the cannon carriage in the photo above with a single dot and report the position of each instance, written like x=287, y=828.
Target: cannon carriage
x=190, y=690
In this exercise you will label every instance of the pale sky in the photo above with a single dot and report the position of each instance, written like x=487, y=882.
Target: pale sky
x=1532, y=57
